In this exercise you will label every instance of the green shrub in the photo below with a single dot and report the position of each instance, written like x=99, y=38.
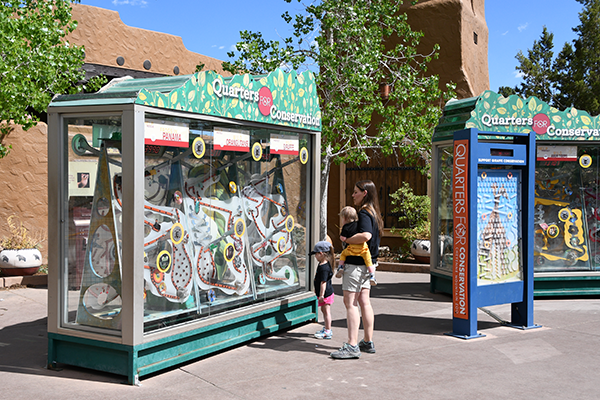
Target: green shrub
x=413, y=220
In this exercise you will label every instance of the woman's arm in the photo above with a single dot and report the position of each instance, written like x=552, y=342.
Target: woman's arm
x=359, y=238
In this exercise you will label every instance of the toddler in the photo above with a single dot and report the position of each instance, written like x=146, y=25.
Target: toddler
x=349, y=219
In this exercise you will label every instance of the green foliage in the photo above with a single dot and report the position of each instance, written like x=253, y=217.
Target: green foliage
x=414, y=215
x=538, y=70
x=357, y=47
x=572, y=78
x=35, y=61
x=578, y=64
x=351, y=43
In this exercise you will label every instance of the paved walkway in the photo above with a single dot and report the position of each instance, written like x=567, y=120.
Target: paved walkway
x=414, y=359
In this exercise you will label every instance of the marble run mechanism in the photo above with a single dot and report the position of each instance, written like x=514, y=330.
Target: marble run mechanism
x=560, y=236
x=211, y=228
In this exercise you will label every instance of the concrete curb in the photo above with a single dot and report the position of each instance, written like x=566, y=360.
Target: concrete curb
x=403, y=267
x=42, y=280
x=33, y=280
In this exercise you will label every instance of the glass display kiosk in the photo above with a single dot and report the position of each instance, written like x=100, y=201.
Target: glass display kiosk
x=492, y=197
x=567, y=191
x=182, y=210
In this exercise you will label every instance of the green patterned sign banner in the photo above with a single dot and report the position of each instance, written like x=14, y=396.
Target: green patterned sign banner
x=280, y=98
x=496, y=113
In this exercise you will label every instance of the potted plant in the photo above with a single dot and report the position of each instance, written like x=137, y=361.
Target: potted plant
x=19, y=250
x=415, y=227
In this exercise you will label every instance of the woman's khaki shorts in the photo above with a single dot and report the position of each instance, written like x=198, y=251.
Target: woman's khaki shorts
x=356, y=278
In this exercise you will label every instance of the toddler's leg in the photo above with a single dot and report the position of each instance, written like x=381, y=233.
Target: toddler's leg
x=372, y=275
x=340, y=269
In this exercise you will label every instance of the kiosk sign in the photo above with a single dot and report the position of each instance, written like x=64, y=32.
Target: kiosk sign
x=160, y=133
x=231, y=139
x=460, y=274
x=282, y=144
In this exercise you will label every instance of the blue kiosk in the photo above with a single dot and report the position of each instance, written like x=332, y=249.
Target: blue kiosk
x=492, y=202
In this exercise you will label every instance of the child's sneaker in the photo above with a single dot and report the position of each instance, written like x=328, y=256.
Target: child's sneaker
x=323, y=334
x=373, y=280
x=340, y=271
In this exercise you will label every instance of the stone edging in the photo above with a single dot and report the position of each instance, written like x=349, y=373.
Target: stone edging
x=42, y=280
x=403, y=267
x=33, y=280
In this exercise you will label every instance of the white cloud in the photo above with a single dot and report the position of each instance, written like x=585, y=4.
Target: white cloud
x=519, y=74
x=522, y=27
x=505, y=33
x=221, y=47
x=142, y=3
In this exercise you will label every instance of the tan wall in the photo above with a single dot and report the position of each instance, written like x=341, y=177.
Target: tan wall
x=452, y=24
x=24, y=190
x=106, y=38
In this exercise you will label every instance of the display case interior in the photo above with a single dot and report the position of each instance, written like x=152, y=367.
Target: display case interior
x=222, y=228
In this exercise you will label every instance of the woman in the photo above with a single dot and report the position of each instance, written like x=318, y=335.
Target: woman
x=355, y=284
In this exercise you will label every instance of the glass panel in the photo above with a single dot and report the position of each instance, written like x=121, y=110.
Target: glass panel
x=589, y=161
x=444, y=208
x=92, y=283
x=225, y=218
x=498, y=226
x=566, y=190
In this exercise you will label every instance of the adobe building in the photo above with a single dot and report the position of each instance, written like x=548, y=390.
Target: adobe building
x=114, y=50
x=459, y=27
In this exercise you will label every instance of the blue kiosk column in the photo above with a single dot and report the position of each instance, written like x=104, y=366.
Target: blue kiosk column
x=493, y=203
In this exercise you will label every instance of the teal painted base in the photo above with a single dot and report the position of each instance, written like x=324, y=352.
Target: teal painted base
x=542, y=286
x=566, y=285
x=136, y=361
x=440, y=283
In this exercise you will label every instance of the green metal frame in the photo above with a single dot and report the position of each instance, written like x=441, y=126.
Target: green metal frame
x=136, y=361
x=467, y=113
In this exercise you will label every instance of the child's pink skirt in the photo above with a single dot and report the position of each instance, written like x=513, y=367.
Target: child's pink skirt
x=326, y=300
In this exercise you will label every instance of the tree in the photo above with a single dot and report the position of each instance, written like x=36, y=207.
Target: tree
x=572, y=79
x=579, y=65
x=35, y=61
x=537, y=70
x=357, y=46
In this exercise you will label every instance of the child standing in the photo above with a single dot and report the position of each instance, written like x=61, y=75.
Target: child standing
x=349, y=219
x=323, y=252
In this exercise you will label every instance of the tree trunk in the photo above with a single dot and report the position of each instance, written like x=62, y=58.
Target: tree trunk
x=325, y=168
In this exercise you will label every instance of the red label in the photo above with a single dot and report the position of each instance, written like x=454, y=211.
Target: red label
x=541, y=123
x=460, y=204
x=265, y=100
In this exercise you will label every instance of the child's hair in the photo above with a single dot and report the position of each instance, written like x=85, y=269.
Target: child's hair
x=349, y=214
x=330, y=257
x=371, y=202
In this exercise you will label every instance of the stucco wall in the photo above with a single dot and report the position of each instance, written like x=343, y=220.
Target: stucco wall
x=106, y=38
x=452, y=24
x=24, y=188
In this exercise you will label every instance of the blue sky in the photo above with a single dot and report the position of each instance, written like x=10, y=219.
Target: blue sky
x=212, y=27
